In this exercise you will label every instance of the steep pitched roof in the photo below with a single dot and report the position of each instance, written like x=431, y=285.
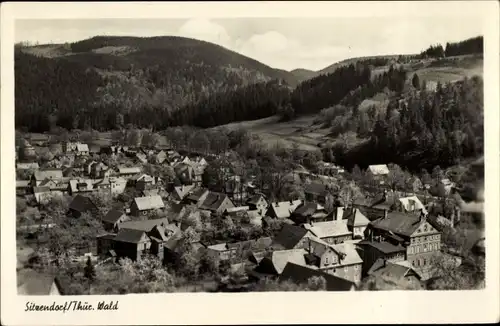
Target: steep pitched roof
x=276, y=261
x=196, y=194
x=82, y=147
x=151, y=202
x=328, y=228
x=308, y=209
x=285, y=208
x=113, y=216
x=398, y=223
x=182, y=191
x=378, y=169
x=412, y=203
x=82, y=204
x=48, y=173
x=383, y=246
x=289, y=236
x=351, y=255
x=254, y=200
x=301, y=274
x=213, y=201
x=391, y=270
x=355, y=218
x=129, y=235
x=145, y=226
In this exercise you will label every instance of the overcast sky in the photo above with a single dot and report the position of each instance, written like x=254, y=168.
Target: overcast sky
x=285, y=43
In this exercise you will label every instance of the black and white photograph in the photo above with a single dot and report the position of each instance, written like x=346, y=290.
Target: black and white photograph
x=213, y=154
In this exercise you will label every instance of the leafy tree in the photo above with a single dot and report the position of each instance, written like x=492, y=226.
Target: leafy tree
x=415, y=81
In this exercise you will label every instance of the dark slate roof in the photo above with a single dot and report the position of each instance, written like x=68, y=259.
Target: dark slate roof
x=129, y=235
x=306, y=209
x=399, y=223
x=254, y=199
x=384, y=201
x=81, y=204
x=301, y=274
x=383, y=246
x=289, y=236
x=316, y=189
x=196, y=194
x=112, y=216
x=213, y=201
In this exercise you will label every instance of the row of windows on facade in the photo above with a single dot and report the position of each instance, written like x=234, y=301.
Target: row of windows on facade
x=425, y=248
x=419, y=262
x=423, y=239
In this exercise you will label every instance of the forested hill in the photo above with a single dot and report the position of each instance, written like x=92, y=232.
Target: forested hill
x=94, y=82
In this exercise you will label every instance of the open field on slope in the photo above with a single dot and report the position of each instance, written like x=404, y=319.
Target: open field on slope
x=301, y=131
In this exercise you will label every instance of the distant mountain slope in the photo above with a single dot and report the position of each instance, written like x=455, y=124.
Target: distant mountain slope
x=124, y=75
x=303, y=74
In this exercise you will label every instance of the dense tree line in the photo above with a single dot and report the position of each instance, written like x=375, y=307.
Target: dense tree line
x=469, y=46
x=433, y=51
x=423, y=130
x=247, y=103
x=145, y=84
x=326, y=90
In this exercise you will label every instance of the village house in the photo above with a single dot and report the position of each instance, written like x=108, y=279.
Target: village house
x=411, y=205
x=316, y=192
x=196, y=197
x=102, y=184
x=118, y=185
x=235, y=190
x=275, y=262
x=88, y=166
x=180, y=192
x=341, y=260
x=332, y=232
x=28, y=151
x=160, y=157
x=144, y=181
x=141, y=158
x=380, y=250
x=81, y=186
x=216, y=203
x=131, y=243
x=257, y=203
x=128, y=172
x=99, y=170
x=415, y=233
x=112, y=219
x=50, y=174
x=43, y=194
x=299, y=274
x=357, y=222
x=184, y=172
x=395, y=271
x=198, y=170
x=378, y=172
x=291, y=237
x=143, y=205
x=283, y=210
x=239, y=250
x=135, y=238
x=77, y=148
x=309, y=212
x=81, y=204
x=56, y=185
